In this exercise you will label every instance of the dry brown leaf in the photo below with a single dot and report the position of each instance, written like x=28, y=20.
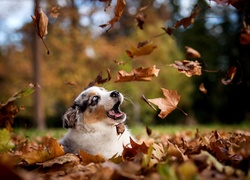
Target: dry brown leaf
x=185, y=22
x=229, y=76
x=40, y=21
x=143, y=48
x=202, y=88
x=51, y=150
x=89, y=158
x=192, y=53
x=139, y=74
x=99, y=79
x=190, y=68
x=166, y=104
x=54, y=12
x=118, y=13
x=168, y=30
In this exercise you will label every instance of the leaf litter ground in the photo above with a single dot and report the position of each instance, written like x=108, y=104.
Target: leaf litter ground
x=181, y=155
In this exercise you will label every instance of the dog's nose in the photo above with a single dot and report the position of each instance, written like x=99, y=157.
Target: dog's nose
x=114, y=94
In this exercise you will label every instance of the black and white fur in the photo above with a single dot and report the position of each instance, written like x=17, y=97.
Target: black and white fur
x=92, y=121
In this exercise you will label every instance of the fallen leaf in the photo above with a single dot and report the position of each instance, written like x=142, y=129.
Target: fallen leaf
x=118, y=13
x=143, y=48
x=229, y=76
x=190, y=68
x=51, y=150
x=168, y=30
x=89, y=158
x=139, y=74
x=185, y=22
x=140, y=17
x=166, y=104
x=192, y=53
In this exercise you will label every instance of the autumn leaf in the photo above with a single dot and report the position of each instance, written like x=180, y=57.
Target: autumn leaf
x=245, y=34
x=40, y=21
x=190, y=68
x=140, y=17
x=229, y=76
x=99, y=79
x=54, y=12
x=143, y=48
x=118, y=13
x=166, y=104
x=89, y=158
x=192, y=53
x=168, y=30
x=202, y=88
x=139, y=74
x=51, y=150
x=185, y=22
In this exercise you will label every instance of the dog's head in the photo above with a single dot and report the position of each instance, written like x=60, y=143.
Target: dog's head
x=93, y=105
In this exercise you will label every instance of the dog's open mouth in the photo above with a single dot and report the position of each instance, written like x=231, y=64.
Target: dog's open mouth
x=115, y=113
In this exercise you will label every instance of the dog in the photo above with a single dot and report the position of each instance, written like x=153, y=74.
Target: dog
x=92, y=122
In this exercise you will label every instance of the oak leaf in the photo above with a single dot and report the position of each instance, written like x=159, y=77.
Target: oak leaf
x=192, y=53
x=190, y=68
x=119, y=8
x=166, y=104
x=139, y=74
x=229, y=76
x=143, y=48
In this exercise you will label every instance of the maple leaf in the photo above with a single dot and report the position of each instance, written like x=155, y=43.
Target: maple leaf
x=139, y=74
x=192, y=53
x=89, y=158
x=40, y=21
x=190, y=68
x=143, y=48
x=118, y=13
x=185, y=22
x=166, y=104
x=229, y=76
x=129, y=153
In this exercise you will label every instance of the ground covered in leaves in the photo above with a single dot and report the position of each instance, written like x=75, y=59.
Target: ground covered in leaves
x=184, y=155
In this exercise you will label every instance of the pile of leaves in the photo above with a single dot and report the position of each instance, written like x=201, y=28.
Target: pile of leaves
x=184, y=155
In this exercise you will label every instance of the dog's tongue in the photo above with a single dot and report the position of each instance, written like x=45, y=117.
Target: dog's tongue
x=114, y=114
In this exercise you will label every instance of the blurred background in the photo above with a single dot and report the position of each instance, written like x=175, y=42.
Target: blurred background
x=80, y=49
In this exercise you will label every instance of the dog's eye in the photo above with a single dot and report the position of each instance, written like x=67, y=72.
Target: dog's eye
x=94, y=100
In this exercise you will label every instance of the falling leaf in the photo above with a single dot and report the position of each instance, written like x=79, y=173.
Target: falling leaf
x=107, y=2
x=40, y=21
x=99, y=79
x=140, y=17
x=168, y=30
x=192, y=53
x=89, y=158
x=166, y=104
x=229, y=76
x=143, y=48
x=185, y=22
x=118, y=13
x=190, y=68
x=120, y=128
x=202, y=88
x=145, y=100
x=139, y=74
x=70, y=83
x=54, y=12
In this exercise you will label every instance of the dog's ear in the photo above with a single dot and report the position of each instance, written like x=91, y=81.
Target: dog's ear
x=69, y=118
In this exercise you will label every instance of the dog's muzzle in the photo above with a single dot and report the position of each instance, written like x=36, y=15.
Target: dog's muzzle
x=115, y=113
